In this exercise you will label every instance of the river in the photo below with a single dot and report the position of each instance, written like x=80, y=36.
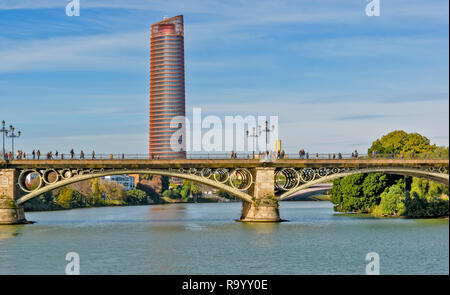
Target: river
x=205, y=239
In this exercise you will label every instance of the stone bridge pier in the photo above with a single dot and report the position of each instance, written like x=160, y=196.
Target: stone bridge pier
x=264, y=207
x=10, y=212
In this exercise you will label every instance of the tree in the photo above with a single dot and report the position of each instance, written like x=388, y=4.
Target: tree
x=69, y=198
x=136, y=197
x=372, y=192
x=392, y=201
x=346, y=193
x=399, y=141
x=113, y=191
x=96, y=194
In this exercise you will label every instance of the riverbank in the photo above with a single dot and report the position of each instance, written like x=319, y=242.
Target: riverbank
x=161, y=201
x=310, y=198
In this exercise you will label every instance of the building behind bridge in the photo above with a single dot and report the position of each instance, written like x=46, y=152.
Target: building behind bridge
x=167, y=88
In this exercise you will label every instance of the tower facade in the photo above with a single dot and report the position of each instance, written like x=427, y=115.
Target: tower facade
x=167, y=91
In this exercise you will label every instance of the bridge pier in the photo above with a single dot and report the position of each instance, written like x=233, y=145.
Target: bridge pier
x=10, y=212
x=264, y=207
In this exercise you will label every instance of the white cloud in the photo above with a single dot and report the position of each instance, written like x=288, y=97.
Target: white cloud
x=68, y=53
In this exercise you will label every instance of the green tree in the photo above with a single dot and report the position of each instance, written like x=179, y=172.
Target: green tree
x=399, y=141
x=96, y=194
x=364, y=193
x=113, y=192
x=69, y=198
x=392, y=201
x=136, y=197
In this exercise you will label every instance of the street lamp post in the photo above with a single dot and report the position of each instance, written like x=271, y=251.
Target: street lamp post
x=12, y=135
x=3, y=131
x=254, y=135
x=267, y=130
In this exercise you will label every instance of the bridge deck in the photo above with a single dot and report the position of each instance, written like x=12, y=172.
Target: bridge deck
x=220, y=163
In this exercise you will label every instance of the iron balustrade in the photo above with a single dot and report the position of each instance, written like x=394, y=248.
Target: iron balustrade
x=225, y=155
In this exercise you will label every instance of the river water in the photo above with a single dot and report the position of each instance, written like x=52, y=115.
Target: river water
x=205, y=239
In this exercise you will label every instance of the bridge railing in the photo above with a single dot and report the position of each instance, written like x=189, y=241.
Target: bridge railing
x=228, y=155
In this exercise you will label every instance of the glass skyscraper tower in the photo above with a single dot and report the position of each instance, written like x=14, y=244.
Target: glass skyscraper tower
x=167, y=92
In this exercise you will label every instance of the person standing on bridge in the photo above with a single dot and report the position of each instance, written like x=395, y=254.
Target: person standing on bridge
x=56, y=154
x=93, y=154
x=33, y=154
x=71, y=153
x=38, y=154
x=82, y=155
x=356, y=154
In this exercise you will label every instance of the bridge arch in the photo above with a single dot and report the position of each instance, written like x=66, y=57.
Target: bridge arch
x=229, y=189
x=441, y=178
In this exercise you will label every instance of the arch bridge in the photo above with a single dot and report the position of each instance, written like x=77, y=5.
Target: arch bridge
x=260, y=185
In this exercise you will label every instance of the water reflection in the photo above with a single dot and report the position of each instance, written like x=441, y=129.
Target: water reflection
x=204, y=239
x=9, y=231
x=167, y=212
x=261, y=228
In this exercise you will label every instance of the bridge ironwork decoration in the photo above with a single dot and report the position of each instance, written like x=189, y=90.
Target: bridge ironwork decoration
x=288, y=181
x=237, y=180
x=34, y=182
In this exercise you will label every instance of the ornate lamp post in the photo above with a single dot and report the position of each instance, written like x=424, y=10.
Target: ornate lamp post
x=4, y=131
x=12, y=135
x=267, y=130
x=254, y=135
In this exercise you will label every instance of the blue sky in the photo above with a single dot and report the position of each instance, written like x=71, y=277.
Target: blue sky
x=336, y=78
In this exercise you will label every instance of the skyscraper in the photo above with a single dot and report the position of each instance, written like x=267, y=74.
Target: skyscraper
x=167, y=94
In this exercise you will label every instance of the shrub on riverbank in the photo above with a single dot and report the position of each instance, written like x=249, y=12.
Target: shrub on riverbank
x=70, y=198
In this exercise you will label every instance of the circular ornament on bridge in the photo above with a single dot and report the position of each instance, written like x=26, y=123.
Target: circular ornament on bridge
x=335, y=170
x=206, y=172
x=241, y=179
x=307, y=174
x=322, y=172
x=50, y=176
x=30, y=180
x=66, y=173
x=77, y=172
x=442, y=169
x=221, y=175
x=181, y=170
x=192, y=170
x=431, y=169
x=286, y=179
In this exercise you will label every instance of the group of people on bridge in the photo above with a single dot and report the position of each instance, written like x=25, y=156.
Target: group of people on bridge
x=36, y=154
